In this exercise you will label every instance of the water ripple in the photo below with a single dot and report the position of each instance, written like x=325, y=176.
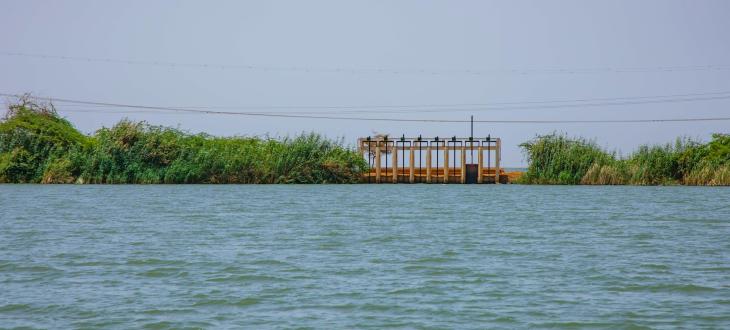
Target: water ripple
x=364, y=256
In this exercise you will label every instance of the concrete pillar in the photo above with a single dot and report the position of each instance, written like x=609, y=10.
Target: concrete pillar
x=428, y=164
x=497, y=156
x=446, y=165
x=377, y=162
x=480, y=157
x=411, y=165
x=395, y=163
x=463, y=165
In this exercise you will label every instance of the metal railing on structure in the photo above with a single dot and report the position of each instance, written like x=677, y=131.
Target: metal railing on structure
x=383, y=155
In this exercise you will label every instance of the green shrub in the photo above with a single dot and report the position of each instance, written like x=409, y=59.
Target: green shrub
x=38, y=146
x=557, y=159
x=59, y=171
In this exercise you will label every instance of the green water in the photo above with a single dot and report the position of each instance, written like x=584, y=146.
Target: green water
x=364, y=256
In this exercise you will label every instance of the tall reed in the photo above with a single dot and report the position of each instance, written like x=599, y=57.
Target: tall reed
x=36, y=145
x=559, y=159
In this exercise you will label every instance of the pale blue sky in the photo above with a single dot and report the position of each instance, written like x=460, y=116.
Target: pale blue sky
x=395, y=35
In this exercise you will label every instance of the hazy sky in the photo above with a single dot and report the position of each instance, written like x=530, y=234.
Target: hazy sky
x=365, y=36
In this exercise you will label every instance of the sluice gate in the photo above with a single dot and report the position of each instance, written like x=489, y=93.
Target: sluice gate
x=432, y=160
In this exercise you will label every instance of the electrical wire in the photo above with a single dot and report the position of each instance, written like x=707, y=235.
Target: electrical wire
x=349, y=118
x=529, y=105
x=467, y=106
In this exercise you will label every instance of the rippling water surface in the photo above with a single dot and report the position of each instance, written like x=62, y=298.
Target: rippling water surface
x=364, y=256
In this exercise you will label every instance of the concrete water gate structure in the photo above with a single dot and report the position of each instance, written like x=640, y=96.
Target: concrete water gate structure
x=432, y=160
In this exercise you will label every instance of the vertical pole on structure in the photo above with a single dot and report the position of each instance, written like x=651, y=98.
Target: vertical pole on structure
x=411, y=165
x=437, y=158
x=497, y=155
x=395, y=162
x=420, y=169
x=403, y=154
x=489, y=151
x=428, y=163
x=480, y=174
x=446, y=162
x=386, y=155
x=453, y=140
x=377, y=161
x=471, y=138
x=370, y=161
x=463, y=164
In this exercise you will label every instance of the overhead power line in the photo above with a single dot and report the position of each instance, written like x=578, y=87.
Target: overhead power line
x=421, y=71
x=584, y=103
x=490, y=105
x=434, y=108
x=349, y=118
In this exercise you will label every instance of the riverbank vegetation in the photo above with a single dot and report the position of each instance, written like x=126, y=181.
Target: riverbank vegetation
x=38, y=146
x=559, y=159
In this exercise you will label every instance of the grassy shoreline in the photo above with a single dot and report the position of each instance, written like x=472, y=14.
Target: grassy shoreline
x=559, y=159
x=38, y=146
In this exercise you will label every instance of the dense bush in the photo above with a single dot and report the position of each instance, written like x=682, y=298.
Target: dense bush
x=36, y=145
x=558, y=159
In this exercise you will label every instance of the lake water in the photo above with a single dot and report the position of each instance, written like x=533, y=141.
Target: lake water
x=364, y=256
